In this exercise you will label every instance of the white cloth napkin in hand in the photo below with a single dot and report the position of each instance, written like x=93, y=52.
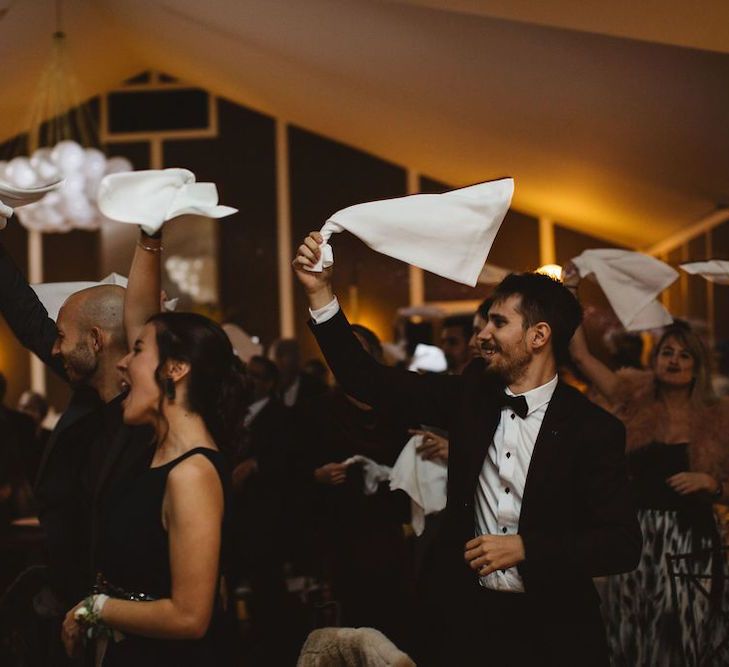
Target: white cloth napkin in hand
x=152, y=197
x=428, y=359
x=424, y=481
x=631, y=282
x=373, y=473
x=448, y=234
x=54, y=295
x=12, y=197
x=714, y=270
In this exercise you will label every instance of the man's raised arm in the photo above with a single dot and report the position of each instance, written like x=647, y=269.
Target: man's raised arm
x=25, y=314
x=417, y=398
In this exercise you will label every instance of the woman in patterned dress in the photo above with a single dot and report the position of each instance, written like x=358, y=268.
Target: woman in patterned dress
x=677, y=435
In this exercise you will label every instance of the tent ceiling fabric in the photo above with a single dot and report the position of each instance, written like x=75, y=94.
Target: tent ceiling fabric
x=621, y=138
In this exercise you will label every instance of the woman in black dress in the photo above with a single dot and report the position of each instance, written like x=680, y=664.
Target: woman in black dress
x=677, y=436
x=163, y=533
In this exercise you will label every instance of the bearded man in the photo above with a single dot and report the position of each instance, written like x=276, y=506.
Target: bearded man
x=538, y=499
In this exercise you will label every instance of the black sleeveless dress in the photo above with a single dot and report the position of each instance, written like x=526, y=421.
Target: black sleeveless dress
x=134, y=563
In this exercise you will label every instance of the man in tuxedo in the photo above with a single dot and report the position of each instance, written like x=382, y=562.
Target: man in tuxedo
x=90, y=446
x=538, y=500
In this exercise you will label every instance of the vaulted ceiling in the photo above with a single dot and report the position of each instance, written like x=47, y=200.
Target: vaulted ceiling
x=612, y=117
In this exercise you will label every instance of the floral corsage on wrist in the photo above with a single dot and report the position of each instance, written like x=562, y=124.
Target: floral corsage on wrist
x=88, y=615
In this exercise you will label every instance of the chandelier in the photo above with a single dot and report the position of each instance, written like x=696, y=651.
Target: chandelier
x=62, y=140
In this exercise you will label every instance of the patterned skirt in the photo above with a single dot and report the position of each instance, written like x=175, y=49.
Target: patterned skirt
x=646, y=627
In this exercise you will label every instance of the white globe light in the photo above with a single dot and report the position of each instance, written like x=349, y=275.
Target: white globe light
x=94, y=166
x=20, y=173
x=68, y=156
x=44, y=166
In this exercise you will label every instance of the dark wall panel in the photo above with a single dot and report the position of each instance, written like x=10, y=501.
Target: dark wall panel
x=325, y=177
x=241, y=161
x=696, y=286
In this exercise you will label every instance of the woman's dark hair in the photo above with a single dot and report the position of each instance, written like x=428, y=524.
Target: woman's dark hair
x=216, y=387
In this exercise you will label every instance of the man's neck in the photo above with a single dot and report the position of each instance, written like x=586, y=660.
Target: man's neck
x=106, y=381
x=538, y=373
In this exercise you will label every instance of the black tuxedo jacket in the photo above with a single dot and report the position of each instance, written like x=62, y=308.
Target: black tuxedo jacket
x=89, y=448
x=577, y=520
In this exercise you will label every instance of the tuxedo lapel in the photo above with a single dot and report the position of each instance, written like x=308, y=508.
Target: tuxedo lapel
x=546, y=453
x=82, y=403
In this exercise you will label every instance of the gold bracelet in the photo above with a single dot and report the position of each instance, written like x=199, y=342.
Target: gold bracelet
x=149, y=248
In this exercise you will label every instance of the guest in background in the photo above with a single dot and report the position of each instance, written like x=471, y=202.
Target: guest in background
x=480, y=320
x=35, y=405
x=360, y=541
x=455, y=334
x=318, y=370
x=678, y=462
x=264, y=508
x=293, y=384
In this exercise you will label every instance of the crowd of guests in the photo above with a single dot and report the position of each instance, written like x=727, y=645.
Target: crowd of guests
x=185, y=493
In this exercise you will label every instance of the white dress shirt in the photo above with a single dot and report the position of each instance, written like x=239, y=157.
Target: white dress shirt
x=501, y=483
x=254, y=409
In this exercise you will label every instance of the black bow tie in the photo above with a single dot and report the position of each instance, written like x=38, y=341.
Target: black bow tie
x=516, y=403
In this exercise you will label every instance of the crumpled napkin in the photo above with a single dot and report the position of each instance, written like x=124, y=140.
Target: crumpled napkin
x=12, y=197
x=54, y=295
x=152, y=197
x=714, y=270
x=424, y=481
x=373, y=473
x=448, y=234
x=631, y=282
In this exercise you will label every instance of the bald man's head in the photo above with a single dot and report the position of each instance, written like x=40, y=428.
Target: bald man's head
x=90, y=329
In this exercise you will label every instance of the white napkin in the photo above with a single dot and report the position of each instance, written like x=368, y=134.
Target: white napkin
x=631, y=282
x=714, y=270
x=424, y=481
x=428, y=359
x=151, y=198
x=373, y=473
x=54, y=295
x=448, y=234
x=12, y=197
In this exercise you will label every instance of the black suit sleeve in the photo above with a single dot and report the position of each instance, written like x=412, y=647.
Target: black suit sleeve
x=608, y=538
x=431, y=399
x=25, y=314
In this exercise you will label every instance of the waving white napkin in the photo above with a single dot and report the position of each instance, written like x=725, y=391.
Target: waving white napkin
x=13, y=197
x=54, y=295
x=631, y=282
x=373, y=473
x=428, y=359
x=151, y=198
x=424, y=481
x=448, y=234
x=714, y=270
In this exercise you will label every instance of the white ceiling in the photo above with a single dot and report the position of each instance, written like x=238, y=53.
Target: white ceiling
x=621, y=134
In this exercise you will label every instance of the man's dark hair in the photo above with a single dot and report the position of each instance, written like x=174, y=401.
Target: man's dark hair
x=462, y=322
x=484, y=307
x=544, y=299
x=373, y=344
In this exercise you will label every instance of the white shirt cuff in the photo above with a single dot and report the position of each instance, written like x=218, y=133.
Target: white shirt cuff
x=324, y=314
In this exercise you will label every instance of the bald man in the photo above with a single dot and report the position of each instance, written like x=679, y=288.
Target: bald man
x=91, y=448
